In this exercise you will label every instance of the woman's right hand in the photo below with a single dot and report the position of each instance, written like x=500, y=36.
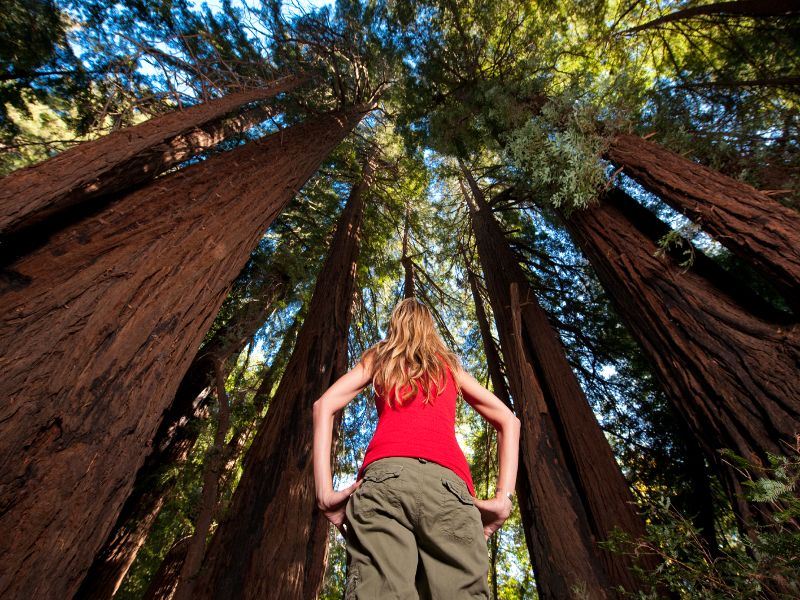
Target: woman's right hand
x=333, y=504
x=494, y=512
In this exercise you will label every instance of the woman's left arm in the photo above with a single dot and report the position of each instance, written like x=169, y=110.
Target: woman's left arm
x=333, y=400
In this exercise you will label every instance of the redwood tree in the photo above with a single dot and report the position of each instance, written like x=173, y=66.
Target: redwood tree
x=174, y=439
x=730, y=373
x=273, y=542
x=102, y=323
x=117, y=161
x=578, y=494
x=750, y=224
x=494, y=363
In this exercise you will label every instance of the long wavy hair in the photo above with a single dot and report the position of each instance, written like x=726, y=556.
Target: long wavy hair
x=411, y=358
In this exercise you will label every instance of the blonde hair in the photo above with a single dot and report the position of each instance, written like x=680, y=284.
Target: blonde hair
x=412, y=357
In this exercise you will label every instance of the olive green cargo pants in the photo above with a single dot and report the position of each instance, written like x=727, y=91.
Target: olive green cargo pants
x=413, y=531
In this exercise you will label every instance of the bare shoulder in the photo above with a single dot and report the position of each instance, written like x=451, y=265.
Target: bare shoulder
x=462, y=376
x=489, y=406
x=368, y=363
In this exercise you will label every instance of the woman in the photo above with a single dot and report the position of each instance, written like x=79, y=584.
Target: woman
x=411, y=521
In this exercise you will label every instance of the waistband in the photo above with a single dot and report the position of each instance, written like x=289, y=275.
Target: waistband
x=413, y=462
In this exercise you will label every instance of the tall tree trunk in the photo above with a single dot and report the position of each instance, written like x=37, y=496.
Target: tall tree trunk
x=103, y=323
x=730, y=374
x=273, y=542
x=494, y=363
x=750, y=224
x=261, y=397
x=409, y=286
x=174, y=439
x=736, y=8
x=578, y=492
x=124, y=158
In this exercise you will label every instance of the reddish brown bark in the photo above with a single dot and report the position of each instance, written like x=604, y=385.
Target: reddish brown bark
x=124, y=158
x=273, y=542
x=578, y=494
x=731, y=374
x=174, y=439
x=102, y=324
x=750, y=224
x=739, y=8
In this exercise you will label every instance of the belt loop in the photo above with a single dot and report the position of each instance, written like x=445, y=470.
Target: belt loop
x=422, y=460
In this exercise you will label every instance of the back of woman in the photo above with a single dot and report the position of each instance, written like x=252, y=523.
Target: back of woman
x=412, y=524
x=417, y=428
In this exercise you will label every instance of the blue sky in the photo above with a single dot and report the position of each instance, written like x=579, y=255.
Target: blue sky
x=216, y=5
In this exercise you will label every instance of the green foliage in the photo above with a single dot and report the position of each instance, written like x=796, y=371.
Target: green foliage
x=679, y=241
x=763, y=566
x=560, y=150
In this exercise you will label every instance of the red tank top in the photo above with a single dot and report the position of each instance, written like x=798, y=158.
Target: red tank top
x=420, y=430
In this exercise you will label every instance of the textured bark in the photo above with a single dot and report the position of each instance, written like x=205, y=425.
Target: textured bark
x=173, y=440
x=732, y=375
x=578, y=494
x=124, y=158
x=101, y=325
x=273, y=543
x=134, y=522
x=750, y=224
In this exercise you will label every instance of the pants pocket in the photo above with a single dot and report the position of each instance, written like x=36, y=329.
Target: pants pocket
x=377, y=491
x=458, y=517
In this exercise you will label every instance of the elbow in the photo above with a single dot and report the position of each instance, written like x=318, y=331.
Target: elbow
x=319, y=406
x=508, y=422
x=512, y=423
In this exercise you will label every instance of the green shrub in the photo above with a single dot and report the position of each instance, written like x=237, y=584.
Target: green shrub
x=764, y=566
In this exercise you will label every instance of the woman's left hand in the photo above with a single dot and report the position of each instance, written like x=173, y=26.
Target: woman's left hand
x=334, y=503
x=494, y=512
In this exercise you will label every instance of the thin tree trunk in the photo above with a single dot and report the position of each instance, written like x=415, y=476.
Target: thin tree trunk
x=208, y=499
x=165, y=581
x=577, y=492
x=493, y=360
x=174, y=439
x=273, y=543
x=750, y=224
x=124, y=158
x=739, y=8
x=494, y=364
x=730, y=374
x=409, y=285
x=102, y=324
x=260, y=399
